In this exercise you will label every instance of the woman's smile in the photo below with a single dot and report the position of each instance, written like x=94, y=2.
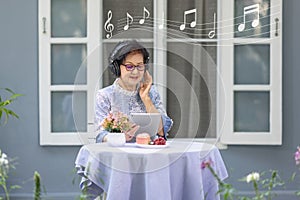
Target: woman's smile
x=134, y=77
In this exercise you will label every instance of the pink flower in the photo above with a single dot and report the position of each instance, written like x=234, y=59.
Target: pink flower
x=207, y=163
x=116, y=122
x=297, y=156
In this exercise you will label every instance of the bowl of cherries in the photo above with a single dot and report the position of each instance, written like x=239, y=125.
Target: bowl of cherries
x=158, y=141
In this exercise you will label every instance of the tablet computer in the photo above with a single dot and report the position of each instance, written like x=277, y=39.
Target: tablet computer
x=148, y=122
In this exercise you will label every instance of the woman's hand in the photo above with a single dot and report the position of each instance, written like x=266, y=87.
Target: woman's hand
x=144, y=94
x=145, y=86
x=130, y=134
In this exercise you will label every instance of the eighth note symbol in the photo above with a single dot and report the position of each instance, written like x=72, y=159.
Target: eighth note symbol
x=128, y=17
x=109, y=27
x=212, y=33
x=142, y=21
x=249, y=10
x=193, y=23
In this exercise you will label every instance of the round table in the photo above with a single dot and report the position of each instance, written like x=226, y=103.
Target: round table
x=133, y=172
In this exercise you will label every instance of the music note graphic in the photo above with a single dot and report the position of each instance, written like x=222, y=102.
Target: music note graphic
x=142, y=21
x=212, y=33
x=109, y=27
x=193, y=23
x=250, y=10
x=129, y=20
x=161, y=26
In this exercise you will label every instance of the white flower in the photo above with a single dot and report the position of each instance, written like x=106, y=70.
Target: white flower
x=4, y=156
x=254, y=176
x=1, y=161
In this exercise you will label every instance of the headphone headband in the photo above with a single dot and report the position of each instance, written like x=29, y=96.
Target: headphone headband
x=115, y=53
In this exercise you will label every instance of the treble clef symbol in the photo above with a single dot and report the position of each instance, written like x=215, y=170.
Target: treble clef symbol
x=109, y=27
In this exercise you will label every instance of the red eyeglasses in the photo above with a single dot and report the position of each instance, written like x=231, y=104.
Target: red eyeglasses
x=130, y=67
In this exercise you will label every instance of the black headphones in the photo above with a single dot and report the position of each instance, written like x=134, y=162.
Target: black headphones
x=119, y=53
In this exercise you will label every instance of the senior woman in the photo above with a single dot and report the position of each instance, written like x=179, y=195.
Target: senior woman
x=132, y=91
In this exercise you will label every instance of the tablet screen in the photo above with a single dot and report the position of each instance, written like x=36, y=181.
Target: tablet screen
x=148, y=122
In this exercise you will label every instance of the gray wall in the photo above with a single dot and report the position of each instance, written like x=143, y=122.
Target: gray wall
x=20, y=138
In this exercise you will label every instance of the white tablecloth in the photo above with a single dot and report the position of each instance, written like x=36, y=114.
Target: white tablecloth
x=134, y=173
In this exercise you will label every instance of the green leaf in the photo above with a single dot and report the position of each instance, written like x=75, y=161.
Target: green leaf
x=226, y=196
x=6, y=115
x=37, y=188
x=13, y=114
x=9, y=90
x=6, y=102
x=13, y=187
x=14, y=96
x=291, y=179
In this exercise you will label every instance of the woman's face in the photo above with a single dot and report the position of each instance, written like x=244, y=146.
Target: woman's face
x=130, y=79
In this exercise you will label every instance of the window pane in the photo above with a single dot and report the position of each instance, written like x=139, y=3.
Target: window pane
x=119, y=13
x=252, y=64
x=252, y=18
x=251, y=111
x=67, y=66
x=68, y=18
x=191, y=94
x=63, y=110
x=201, y=12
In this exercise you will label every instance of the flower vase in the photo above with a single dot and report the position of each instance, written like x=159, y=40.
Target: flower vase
x=116, y=139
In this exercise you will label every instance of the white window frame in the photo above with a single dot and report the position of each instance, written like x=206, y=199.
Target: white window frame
x=45, y=88
x=225, y=41
x=226, y=101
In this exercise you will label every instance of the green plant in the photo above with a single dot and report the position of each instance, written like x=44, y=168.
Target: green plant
x=297, y=161
x=4, y=102
x=263, y=188
x=6, y=164
x=84, y=187
x=37, y=188
x=226, y=190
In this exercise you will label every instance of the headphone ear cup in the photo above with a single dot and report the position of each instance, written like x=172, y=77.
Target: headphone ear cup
x=147, y=58
x=115, y=69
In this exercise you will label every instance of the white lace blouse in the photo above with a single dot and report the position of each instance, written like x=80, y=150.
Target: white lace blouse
x=115, y=98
